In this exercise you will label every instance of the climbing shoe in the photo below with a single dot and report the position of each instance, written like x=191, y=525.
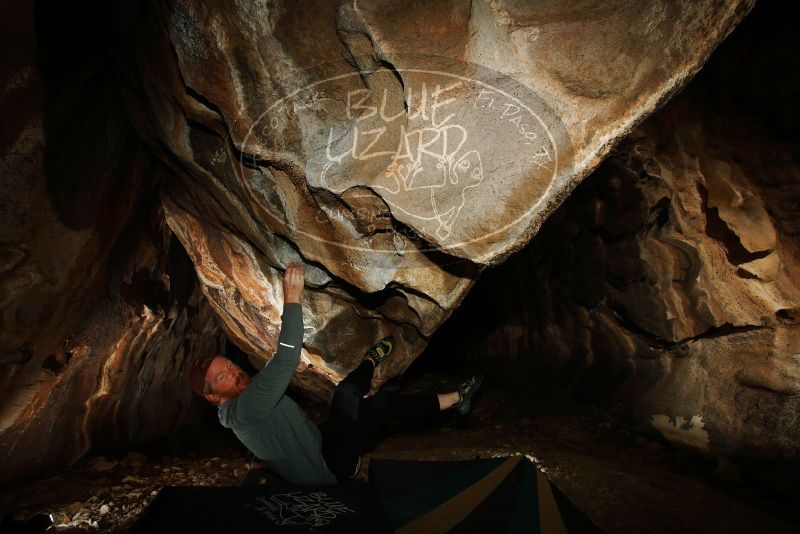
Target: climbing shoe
x=465, y=393
x=380, y=350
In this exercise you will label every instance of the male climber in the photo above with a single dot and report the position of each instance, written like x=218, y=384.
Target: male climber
x=277, y=430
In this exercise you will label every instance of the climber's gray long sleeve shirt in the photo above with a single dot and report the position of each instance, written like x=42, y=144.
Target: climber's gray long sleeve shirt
x=271, y=424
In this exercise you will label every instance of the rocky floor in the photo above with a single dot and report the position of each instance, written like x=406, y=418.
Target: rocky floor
x=623, y=482
x=108, y=493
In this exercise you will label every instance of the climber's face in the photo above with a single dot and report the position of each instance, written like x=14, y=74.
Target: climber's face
x=224, y=380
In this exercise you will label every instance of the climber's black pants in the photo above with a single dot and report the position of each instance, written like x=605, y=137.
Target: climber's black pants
x=355, y=423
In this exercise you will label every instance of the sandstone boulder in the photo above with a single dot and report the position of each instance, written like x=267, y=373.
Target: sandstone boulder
x=396, y=148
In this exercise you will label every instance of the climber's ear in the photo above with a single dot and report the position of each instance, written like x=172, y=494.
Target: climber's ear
x=212, y=398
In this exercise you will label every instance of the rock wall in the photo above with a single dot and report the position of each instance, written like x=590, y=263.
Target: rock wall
x=99, y=305
x=395, y=148
x=669, y=280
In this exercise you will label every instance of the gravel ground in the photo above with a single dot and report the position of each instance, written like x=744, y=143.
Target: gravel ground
x=624, y=482
x=107, y=493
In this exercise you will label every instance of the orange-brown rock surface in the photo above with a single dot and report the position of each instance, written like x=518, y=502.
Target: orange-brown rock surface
x=99, y=307
x=397, y=149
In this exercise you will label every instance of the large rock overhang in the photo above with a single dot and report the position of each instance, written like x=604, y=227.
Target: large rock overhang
x=396, y=149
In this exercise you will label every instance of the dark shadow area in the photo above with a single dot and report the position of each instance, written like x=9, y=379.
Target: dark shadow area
x=89, y=144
